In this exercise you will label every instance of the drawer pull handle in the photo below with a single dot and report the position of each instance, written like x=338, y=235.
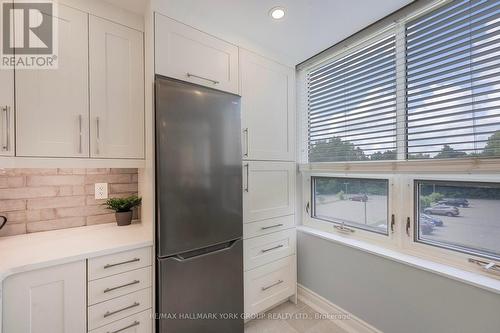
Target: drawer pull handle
x=135, y=323
x=122, y=263
x=272, y=226
x=272, y=285
x=202, y=78
x=272, y=248
x=107, y=290
x=108, y=313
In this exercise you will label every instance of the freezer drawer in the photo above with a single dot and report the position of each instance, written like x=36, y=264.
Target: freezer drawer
x=202, y=293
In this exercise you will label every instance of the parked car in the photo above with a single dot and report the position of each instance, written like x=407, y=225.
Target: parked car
x=455, y=202
x=432, y=220
x=359, y=197
x=425, y=227
x=442, y=210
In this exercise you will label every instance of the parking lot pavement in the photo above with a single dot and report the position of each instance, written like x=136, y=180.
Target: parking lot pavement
x=329, y=206
x=477, y=226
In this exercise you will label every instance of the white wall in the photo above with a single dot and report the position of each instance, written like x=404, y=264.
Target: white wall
x=394, y=297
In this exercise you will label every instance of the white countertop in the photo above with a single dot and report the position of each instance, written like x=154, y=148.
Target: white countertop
x=43, y=249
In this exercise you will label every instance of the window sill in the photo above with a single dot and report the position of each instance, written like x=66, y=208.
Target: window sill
x=474, y=279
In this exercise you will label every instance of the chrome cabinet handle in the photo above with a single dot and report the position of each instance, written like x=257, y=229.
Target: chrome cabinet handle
x=272, y=285
x=110, y=313
x=247, y=143
x=272, y=248
x=135, y=323
x=80, y=149
x=247, y=167
x=343, y=228
x=490, y=267
x=6, y=133
x=107, y=290
x=121, y=263
x=272, y=226
x=203, y=78
x=98, y=135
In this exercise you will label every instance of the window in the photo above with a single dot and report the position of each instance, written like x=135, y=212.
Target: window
x=352, y=106
x=453, y=81
x=431, y=89
x=459, y=216
x=359, y=203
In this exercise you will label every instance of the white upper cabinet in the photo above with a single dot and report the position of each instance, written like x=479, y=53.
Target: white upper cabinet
x=6, y=112
x=187, y=54
x=116, y=90
x=268, y=108
x=46, y=300
x=268, y=190
x=52, y=104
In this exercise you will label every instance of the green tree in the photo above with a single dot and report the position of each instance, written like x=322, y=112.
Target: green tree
x=492, y=147
x=386, y=155
x=428, y=200
x=448, y=152
x=334, y=150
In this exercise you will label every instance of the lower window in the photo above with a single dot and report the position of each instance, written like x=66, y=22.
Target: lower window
x=355, y=202
x=460, y=216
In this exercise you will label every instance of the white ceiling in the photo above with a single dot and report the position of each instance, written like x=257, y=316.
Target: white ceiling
x=309, y=26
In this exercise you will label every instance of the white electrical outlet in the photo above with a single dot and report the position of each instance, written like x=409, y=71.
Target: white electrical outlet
x=101, y=190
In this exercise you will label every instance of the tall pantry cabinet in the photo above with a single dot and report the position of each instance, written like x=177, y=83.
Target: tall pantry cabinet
x=268, y=137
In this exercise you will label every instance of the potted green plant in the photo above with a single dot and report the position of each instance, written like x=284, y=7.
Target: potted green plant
x=123, y=208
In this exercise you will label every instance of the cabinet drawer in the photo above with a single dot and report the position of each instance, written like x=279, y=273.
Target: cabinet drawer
x=137, y=323
x=118, y=263
x=107, y=312
x=262, y=250
x=118, y=285
x=187, y=54
x=270, y=284
x=268, y=226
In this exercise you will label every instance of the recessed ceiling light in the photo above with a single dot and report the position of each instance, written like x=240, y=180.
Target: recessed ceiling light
x=277, y=13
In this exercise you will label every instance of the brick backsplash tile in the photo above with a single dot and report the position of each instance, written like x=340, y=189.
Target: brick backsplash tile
x=98, y=219
x=12, y=229
x=56, y=202
x=112, y=178
x=122, y=188
x=63, y=223
x=45, y=199
x=55, y=180
x=19, y=216
x=28, y=192
x=9, y=205
x=9, y=182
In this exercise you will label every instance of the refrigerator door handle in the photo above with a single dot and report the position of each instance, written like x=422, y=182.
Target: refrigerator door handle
x=180, y=258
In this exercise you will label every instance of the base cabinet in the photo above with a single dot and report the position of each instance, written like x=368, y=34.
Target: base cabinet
x=46, y=300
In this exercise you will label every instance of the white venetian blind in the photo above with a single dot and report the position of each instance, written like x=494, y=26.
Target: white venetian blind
x=352, y=105
x=453, y=81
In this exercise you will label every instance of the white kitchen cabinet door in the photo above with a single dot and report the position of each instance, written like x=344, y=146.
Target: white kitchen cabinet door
x=269, y=190
x=268, y=108
x=52, y=104
x=116, y=90
x=6, y=112
x=187, y=54
x=46, y=300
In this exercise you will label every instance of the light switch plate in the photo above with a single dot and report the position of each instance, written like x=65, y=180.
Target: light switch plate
x=101, y=190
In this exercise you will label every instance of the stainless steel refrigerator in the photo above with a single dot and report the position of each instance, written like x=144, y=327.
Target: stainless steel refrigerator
x=199, y=225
